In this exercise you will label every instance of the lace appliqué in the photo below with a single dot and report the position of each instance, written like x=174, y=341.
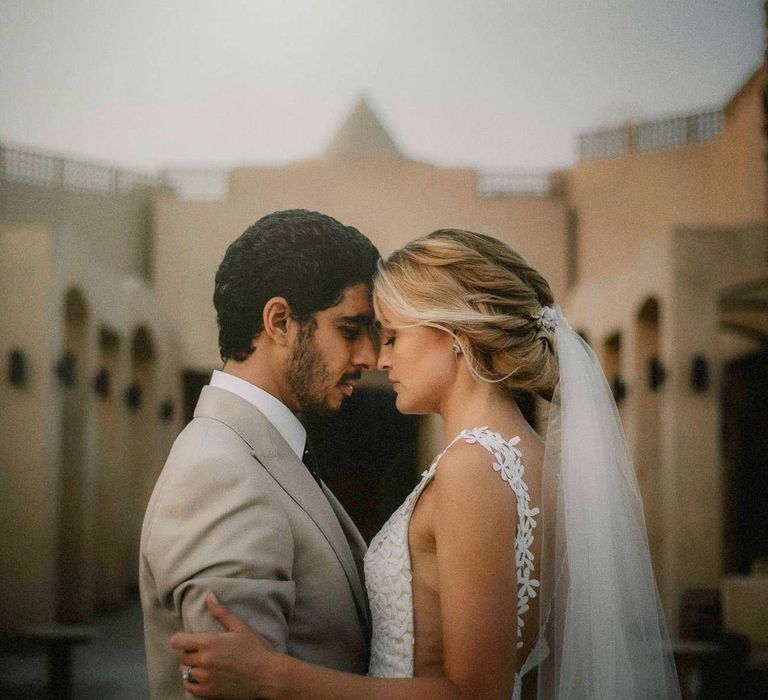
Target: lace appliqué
x=388, y=560
x=388, y=580
x=510, y=467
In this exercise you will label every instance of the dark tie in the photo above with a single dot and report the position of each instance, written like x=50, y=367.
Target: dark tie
x=311, y=463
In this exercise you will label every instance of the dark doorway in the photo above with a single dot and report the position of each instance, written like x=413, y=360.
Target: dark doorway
x=369, y=454
x=193, y=383
x=745, y=448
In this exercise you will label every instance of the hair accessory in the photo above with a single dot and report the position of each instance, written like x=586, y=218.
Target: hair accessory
x=550, y=317
x=456, y=349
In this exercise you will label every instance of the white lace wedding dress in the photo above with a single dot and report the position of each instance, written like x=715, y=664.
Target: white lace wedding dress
x=388, y=566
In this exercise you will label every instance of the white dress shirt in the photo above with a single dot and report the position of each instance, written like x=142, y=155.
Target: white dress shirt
x=275, y=411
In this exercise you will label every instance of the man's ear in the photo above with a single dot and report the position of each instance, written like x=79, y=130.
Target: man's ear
x=277, y=320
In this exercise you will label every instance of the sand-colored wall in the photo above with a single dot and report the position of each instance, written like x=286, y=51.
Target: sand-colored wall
x=75, y=481
x=623, y=200
x=137, y=440
x=28, y=477
x=684, y=270
x=737, y=184
x=118, y=226
x=390, y=200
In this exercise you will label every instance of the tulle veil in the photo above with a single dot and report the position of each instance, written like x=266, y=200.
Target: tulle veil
x=600, y=613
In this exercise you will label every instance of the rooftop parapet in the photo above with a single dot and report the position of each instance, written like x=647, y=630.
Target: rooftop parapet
x=656, y=135
x=514, y=184
x=20, y=164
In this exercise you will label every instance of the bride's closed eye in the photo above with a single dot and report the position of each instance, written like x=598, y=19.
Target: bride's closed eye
x=389, y=341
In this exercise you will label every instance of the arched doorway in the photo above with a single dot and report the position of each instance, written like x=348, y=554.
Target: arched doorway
x=74, y=545
x=110, y=467
x=611, y=360
x=140, y=401
x=650, y=375
x=744, y=401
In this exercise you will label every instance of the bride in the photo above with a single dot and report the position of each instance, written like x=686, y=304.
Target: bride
x=516, y=568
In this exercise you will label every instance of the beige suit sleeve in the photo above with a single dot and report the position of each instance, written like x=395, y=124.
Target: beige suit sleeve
x=219, y=527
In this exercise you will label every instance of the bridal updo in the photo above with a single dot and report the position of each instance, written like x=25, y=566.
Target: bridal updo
x=484, y=294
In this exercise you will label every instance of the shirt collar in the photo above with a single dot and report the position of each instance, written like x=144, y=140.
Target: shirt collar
x=275, y=411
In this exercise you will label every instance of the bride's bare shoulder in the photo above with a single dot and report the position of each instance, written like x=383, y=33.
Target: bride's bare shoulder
x=467, y=475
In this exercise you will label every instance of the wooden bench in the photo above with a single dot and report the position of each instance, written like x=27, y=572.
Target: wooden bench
x=58, y=641
x=691, y=658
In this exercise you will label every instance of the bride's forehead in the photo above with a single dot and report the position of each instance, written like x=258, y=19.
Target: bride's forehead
x=387, y=319
x=390, y=322
x=384, y=314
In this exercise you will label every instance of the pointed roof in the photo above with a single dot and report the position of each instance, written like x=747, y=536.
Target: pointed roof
x=361, y=134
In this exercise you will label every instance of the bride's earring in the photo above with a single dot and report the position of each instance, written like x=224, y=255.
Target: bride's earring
x=456, y=349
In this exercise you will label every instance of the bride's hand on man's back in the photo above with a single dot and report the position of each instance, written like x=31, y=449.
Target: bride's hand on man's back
x=234, y=663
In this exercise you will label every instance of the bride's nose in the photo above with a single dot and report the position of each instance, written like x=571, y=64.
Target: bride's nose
x=384, y=363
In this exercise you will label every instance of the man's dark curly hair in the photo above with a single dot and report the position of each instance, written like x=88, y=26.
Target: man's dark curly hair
x=307, y=257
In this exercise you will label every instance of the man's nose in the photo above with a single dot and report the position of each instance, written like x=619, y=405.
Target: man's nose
x=365, y=355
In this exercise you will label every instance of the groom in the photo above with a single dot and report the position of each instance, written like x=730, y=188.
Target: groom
x=239, y=508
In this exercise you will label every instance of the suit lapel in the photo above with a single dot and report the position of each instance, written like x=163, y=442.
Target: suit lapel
x=352, y=534
x=358, y=547
x=298, y=483
x=271, y=451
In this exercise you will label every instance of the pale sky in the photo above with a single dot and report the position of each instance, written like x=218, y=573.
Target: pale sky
x=493, y=84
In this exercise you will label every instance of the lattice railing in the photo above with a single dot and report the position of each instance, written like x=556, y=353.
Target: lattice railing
x=19, y=164
x=656, y=135
x=511, y=184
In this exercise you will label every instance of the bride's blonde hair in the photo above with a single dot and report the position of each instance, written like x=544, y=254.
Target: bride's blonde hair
x=484, y=294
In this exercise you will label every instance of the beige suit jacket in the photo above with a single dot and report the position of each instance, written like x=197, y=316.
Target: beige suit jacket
x=236, y=512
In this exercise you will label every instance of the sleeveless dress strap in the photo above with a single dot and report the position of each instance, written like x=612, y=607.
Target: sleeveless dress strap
x=508, y=463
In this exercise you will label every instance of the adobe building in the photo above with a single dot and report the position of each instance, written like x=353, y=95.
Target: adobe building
x=655, y=243
x=89, y=396
x=671, y=290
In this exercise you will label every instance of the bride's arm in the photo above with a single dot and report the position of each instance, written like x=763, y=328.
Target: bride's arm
x=473, y=520
x=474, y=517
x=239, y=663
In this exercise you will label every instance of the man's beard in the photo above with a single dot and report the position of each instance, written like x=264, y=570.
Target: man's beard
x=308, y=375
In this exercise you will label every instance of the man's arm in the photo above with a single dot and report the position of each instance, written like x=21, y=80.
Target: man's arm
x=473, y=517
x=217, y=526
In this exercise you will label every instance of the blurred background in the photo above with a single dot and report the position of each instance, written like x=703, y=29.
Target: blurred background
x=620, y=147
